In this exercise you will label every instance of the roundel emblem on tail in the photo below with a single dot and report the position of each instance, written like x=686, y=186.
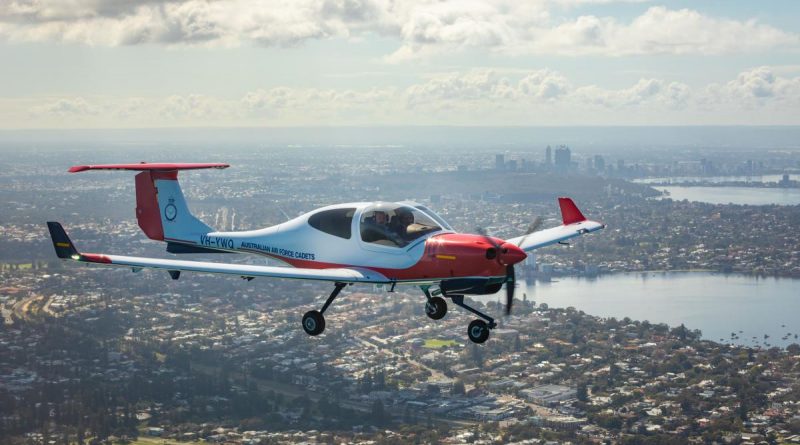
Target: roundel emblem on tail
x=170, y=212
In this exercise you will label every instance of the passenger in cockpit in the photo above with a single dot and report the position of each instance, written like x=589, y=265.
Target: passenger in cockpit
x=402, y=219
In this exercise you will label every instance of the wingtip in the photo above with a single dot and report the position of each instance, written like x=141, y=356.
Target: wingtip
x=569, y=211
x=61, y=242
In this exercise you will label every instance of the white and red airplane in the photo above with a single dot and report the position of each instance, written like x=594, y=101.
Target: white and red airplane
x=384, y=243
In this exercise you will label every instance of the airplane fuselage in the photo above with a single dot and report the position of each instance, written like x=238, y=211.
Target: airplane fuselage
x=441, y=254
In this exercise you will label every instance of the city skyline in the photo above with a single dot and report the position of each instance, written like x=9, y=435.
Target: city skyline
x=191, y=63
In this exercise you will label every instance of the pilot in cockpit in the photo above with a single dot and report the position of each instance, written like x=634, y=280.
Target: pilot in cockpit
x=376, y=227
x=380, y=218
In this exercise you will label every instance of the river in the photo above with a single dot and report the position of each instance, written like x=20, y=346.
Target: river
x=715, y=179
x=734, y=195
x=717, y=304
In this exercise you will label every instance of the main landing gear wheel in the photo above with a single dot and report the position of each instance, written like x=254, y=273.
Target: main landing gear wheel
x=478, y=331
x=313, y=323
x=436, y=308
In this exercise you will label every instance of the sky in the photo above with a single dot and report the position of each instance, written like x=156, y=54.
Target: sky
x=69, y=64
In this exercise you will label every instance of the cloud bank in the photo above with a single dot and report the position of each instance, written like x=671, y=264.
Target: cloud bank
x=478, y=97
x=422, y=28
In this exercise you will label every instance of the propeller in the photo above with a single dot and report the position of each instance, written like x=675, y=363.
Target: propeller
x=511, y=284
x=511, y=280
x=532, y=227
x=510, y=273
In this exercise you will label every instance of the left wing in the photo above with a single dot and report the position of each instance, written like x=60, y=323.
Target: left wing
x=574, y=224
x=66, y=250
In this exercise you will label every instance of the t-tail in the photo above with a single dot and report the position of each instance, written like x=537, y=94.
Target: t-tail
x=161, y=209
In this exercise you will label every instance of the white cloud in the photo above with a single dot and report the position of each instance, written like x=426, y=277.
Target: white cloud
x=68, y=106
x=754, y=89
x=455, y=89
x=421, y=27
x=646, y=92
x=279, y=100
x=544, y=85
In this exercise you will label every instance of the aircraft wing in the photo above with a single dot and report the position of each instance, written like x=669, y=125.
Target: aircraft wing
x=66, y=250
x=574, y=224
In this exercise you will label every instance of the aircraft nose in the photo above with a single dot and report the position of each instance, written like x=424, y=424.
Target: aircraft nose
x=511, y=254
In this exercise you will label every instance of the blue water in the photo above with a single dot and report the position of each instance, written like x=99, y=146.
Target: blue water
x=716, y=304
x=715, y=179
x=734, y=195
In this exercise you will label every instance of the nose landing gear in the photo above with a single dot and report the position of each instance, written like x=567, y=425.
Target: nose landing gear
x=436, y=308
x=478, y=331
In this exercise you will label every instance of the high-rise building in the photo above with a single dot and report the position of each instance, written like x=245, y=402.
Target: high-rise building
x=499, y=162
x=599, y=163
x=706, y=166
x=548, y=156
x=563, y=158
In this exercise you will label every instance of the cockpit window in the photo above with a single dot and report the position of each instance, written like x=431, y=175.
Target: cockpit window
x=395, y=225
x=433, y=215
x=336, y=222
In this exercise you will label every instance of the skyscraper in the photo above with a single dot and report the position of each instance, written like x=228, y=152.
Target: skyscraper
x=563, y=158
x=548, y=156
x=599, y=163
x=499, y=162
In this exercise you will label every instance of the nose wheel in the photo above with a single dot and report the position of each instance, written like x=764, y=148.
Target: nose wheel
x=478, y=331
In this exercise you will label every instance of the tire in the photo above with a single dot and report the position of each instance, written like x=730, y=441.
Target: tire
x=436, y=308
x=313, y=323
x=478, y=331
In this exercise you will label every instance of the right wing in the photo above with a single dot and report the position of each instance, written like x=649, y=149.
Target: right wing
x=66, y=250
x=574, y=224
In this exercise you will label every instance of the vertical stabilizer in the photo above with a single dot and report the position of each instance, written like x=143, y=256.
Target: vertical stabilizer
x=177, y=221
x=161, y=209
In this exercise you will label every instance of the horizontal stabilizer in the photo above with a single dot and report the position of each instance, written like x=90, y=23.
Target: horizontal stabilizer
x=145, y=166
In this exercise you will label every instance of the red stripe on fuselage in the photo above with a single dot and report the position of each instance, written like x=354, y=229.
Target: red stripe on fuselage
x=469, y=252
